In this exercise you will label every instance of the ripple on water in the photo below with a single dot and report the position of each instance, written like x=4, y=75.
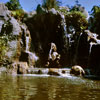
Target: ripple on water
x=39, y=87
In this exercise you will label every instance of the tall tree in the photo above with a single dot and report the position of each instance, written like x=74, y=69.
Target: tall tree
x=95, y=19
x=48, y=4
x=13, y=5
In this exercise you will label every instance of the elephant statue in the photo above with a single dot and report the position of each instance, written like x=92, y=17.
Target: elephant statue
x=77, y=71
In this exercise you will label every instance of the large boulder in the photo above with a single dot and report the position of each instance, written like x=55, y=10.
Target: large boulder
x=18, y=68
x=54, y=71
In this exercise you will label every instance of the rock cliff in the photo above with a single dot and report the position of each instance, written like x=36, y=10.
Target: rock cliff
x=19, y=39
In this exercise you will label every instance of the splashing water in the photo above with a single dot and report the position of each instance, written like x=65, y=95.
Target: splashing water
x=35, y=57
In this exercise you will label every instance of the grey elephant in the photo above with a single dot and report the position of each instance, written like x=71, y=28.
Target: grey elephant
x=77, y=71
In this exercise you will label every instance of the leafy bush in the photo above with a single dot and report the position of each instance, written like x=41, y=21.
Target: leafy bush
x=18, y=14
x=3, y=47
x=76, y=20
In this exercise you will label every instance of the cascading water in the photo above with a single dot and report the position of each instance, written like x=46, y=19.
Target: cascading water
x=27, y=43
x=32, y=56
x=63, y=23
x=95, y=42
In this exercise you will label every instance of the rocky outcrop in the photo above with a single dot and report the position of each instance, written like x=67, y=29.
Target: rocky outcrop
x=18, y=68
x=11, y=28
x=51, y=25
x=19, y=39
x=94, y=60
x=88, y=52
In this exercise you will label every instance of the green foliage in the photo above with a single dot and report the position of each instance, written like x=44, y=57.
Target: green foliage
x=76, y=20
x=95, y=10
x=13, y=5
x=63, y=10
x=95, y=20
x=3, y=47
x=18, y=14
x=76, y=8
x=16, y=9
x=79, y=8
x=48, y=4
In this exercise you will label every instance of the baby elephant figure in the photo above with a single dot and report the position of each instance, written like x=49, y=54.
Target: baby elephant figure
x=77, y=70
x=54, y=57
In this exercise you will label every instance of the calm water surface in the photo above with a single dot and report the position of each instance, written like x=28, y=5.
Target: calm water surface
x=48, y=88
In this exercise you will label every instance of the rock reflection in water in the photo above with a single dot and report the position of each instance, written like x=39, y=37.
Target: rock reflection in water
x=48, y=88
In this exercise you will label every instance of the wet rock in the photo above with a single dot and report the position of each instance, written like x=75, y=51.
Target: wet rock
x=77, y=70
x=40, y=72
x=18, y=68
x=63, y=71
x=22, y=68
x=54, y=71
x=28, y=57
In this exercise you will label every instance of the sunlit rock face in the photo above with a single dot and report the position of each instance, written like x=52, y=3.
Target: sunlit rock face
x=19, y=38
x=11, y=28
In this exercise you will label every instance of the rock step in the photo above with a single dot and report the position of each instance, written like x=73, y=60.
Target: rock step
x=46, y=70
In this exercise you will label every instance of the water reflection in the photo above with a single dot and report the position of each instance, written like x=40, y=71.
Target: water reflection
x=48, y=88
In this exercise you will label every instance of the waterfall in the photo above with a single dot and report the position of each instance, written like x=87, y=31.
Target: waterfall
x=63, y=23
x=27, y=43
x=91, y=44
x=97, y=42
x=32, y=56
